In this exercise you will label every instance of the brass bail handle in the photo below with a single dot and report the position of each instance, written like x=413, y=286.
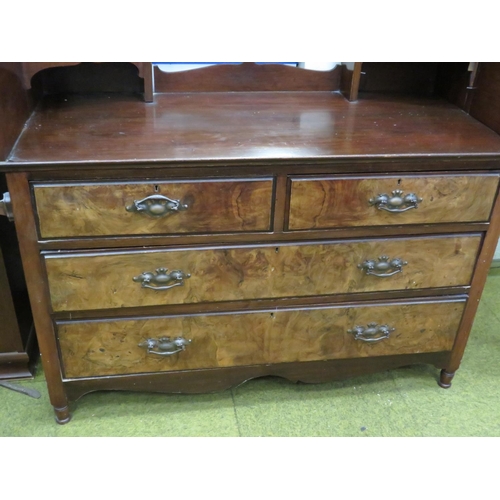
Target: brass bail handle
x=157, y=205
x=384, y=267
x=397, y=202
x=161, y=279
x=372, y=332
x=165, y=346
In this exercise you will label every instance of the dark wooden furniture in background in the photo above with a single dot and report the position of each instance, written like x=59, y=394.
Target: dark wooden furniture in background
x=253, y=221
x=18, y=348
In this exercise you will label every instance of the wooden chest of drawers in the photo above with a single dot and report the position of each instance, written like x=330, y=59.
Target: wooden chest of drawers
x=200, y=249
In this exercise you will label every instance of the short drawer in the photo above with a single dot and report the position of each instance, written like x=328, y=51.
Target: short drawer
x=114, y=209
x=101, y=348
x=327, y=202
x=182, y=276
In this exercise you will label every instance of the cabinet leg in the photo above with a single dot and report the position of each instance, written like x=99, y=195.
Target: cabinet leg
x=445, y=379
x=62, y=415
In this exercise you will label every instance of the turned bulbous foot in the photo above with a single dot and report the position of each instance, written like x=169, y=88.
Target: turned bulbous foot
x=62, y=415
x=445, y=379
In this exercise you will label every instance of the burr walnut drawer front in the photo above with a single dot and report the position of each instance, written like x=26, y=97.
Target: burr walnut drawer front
x=180, y=276
x=142, y=208
x=114, y=347
x=327, y=202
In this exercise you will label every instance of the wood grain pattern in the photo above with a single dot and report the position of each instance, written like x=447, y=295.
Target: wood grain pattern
x=271, y=141
x=247, y=127
x=105, y=281
x=111, y=347
x=342, y=202
x=100, y=209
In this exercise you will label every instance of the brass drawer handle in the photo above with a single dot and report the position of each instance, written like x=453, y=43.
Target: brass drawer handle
x=384, y=268
x=157, y=205
x=162, y=280
x=165, y=346
x=396, y=203
x=371, y=333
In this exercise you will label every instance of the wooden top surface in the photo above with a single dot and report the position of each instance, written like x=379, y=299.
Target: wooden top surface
x=249, y=126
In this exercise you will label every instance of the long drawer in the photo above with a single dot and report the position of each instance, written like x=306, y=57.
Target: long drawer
x=101, y=348
x=141, y=208
x=94, y=281
x=329, y=202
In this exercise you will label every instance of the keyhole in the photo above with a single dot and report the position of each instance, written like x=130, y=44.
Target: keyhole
x=157, y=188
x=399, y=182
x=276, y=249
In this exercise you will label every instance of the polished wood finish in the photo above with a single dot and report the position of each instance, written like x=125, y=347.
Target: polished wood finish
x=246, y=127
x=271, y=298
x=101, y=209
x=14, y=107
x=257, y=304
x=317, y=203
x=16, y=366
x=485, y=105
x=24, y=216
x=112, y=347
x=147, y=73
x=350, y=79
x=478, y=281
x=115, y=242
x=445, y=379
x=105, y=281
x=220, y=379
x=18, y=349
x=247, y=77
